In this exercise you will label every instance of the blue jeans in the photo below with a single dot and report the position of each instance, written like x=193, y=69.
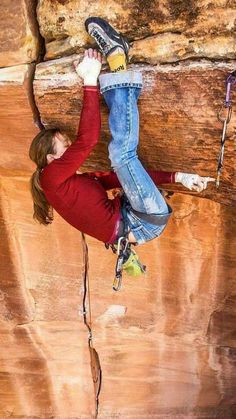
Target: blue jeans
x=121, y=91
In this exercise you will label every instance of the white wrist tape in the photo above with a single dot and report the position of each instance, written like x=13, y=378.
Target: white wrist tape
x=193, y=181
x=89, y=70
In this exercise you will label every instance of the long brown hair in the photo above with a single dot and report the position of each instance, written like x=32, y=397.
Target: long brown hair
x=41, y=145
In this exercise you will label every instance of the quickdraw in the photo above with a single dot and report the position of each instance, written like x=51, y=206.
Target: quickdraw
x=123, y=252
x=225, y=119
x=127, y=260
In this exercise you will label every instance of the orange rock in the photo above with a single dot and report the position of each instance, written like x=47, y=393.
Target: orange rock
x=179, y=128
x=45, y=368
x=167, y=343
x=18, y=113
x=173, y=47
x=161, y=334
x=184, y=23
x=19, y=35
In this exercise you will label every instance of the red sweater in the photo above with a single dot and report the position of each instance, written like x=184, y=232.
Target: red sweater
x=81, y=199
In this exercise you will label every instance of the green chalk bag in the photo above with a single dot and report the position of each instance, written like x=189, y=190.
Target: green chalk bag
x=133, y=266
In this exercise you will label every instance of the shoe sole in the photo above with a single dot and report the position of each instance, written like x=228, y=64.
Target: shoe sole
x=109, y=34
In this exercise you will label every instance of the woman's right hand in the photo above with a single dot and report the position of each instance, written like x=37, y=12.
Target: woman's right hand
x=192, y=181
x=90, y=67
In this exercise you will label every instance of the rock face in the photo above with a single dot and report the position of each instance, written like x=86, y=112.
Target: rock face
x=175, y=325
x=19, y=37
x=165, y=338
x=18, y=113
x=166, y=341
x=179, y=128
x=171, y=47
x=182, y=29
x=45, y=362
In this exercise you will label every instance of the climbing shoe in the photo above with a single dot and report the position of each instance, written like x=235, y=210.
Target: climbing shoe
x=107, y=38
x=133, y=266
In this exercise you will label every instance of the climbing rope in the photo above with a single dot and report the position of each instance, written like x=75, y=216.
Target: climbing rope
x=224, y=116
x=94, y=358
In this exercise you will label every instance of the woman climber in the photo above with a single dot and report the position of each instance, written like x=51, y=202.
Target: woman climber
x=141, y=213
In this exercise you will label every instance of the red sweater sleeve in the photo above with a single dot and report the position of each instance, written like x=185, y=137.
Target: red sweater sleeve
x=109, y=180
x=87, y=137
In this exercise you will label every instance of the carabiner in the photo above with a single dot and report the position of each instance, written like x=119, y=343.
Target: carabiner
x=227, y=108
x=231, y=79
x=122, y=241
x=228, y=113
x=117, y=283
x=122, y=246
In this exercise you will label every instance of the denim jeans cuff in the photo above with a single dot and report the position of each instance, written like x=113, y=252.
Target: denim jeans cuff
x=121, y=79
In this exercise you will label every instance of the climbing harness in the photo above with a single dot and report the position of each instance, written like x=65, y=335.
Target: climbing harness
x=225, y=109
x=127, y=258
x=159, y=220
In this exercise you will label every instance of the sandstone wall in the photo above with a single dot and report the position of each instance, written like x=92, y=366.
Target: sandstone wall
x=166, y=341
x=19, y=35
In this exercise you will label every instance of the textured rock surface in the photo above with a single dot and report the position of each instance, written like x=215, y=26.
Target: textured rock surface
x=178, y=117
x=165, y=341
x=191, y=28
x=176, y=325
x=19, y=36
x=45, y=367
x=170, y=48
x=17, y=116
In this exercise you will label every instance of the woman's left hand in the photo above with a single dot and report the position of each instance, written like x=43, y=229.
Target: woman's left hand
x=89, y=68
x=193, y=182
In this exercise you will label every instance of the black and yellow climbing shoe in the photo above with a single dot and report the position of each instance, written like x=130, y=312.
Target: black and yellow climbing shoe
x=107, y=38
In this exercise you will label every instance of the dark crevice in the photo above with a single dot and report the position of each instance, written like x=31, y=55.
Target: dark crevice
x=197, y=59
x=33, y=105
x=80, y=48
x=40, y=58
x=94, y=358
x=188, y=60
x=24, y=324
x=174, y=32
x=42, y=44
